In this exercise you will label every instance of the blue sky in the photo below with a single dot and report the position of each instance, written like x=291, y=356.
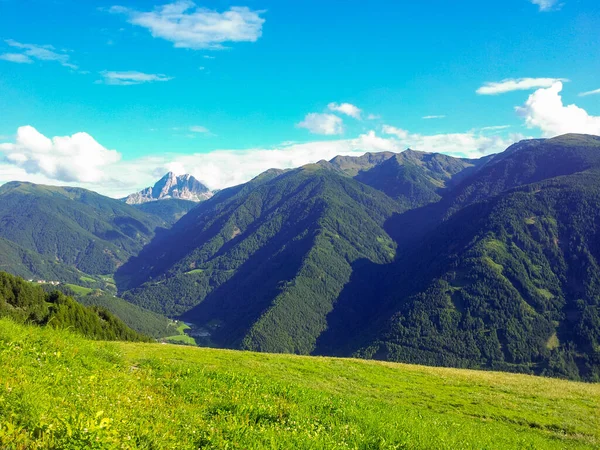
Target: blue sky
x=226, y=89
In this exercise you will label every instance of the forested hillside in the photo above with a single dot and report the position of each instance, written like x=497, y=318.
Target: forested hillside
x=135, y=317
x=416, y=179
x=75, y=227
x=170, y=210
x=265, y=261
x=27, y=303
x=506, y=283
x=414, y=257
x=29, y=264
x=496, y=262
x=511, y=284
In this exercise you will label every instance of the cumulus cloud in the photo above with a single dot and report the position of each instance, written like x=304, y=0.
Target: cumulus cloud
x=76, y=158
x=81, y=161
x=585, y=94
x=131, y=77
x=347, y=109
x=225, y=168
x=326, y=124
x=547, y=5
x=398, y=132
x=16, y=58
x=31, y=52
x=188, y=26
x=517, y=84
x=434, y=117
x=466, y=145
x=545, y=110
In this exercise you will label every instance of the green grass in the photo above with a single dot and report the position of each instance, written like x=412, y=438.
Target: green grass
x=191, y=272
x=180, y=337
x=545, y=293
x=87, y=279
x=79, y=290
x=60, y=391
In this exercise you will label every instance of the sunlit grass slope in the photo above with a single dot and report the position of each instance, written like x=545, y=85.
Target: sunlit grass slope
x=58, y=390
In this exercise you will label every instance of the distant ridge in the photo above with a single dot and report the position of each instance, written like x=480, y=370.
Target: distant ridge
x=183, y=187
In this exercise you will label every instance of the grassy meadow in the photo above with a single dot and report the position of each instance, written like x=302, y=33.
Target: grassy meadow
x=60, y=391
x=181, y=337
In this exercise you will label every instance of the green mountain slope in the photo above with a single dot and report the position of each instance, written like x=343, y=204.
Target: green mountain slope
x=61, y=391
x=353, y=165
x=529, y=162
x=29, y=265
x=264, y=262
x=511, y=283
x=412, y=257
x=508, y=282
x=169, y=210
x=24, y=302
x=79, y=228
x=526, y=162
x=416, y=178
x=139, y=319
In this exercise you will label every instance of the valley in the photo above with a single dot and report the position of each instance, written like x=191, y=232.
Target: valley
x=299, y=225
x=411, y=257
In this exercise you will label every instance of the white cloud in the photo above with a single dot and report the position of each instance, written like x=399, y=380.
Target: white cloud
x=516, y=84
x=224, y=168
x=495, y=128
x=398, y=132
x=77, y=158
x=218, y=169
x=468, y=145
x=188, y=26
x=326, y=124
x=199, y=129
x=81, y=161
x=547, y=5
x=39, y=52
x=585, y=94
x=434, y=117
x=131, y=77
x=373, y=117
x=16, y=58
x=346, y=108
x=545, y=110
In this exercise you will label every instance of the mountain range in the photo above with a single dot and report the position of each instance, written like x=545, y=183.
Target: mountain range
x=483, y=263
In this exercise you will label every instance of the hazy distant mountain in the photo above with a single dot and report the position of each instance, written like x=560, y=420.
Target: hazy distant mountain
x=183, y=187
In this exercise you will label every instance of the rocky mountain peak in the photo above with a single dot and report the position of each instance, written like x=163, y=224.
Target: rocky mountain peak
x=183, y=187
